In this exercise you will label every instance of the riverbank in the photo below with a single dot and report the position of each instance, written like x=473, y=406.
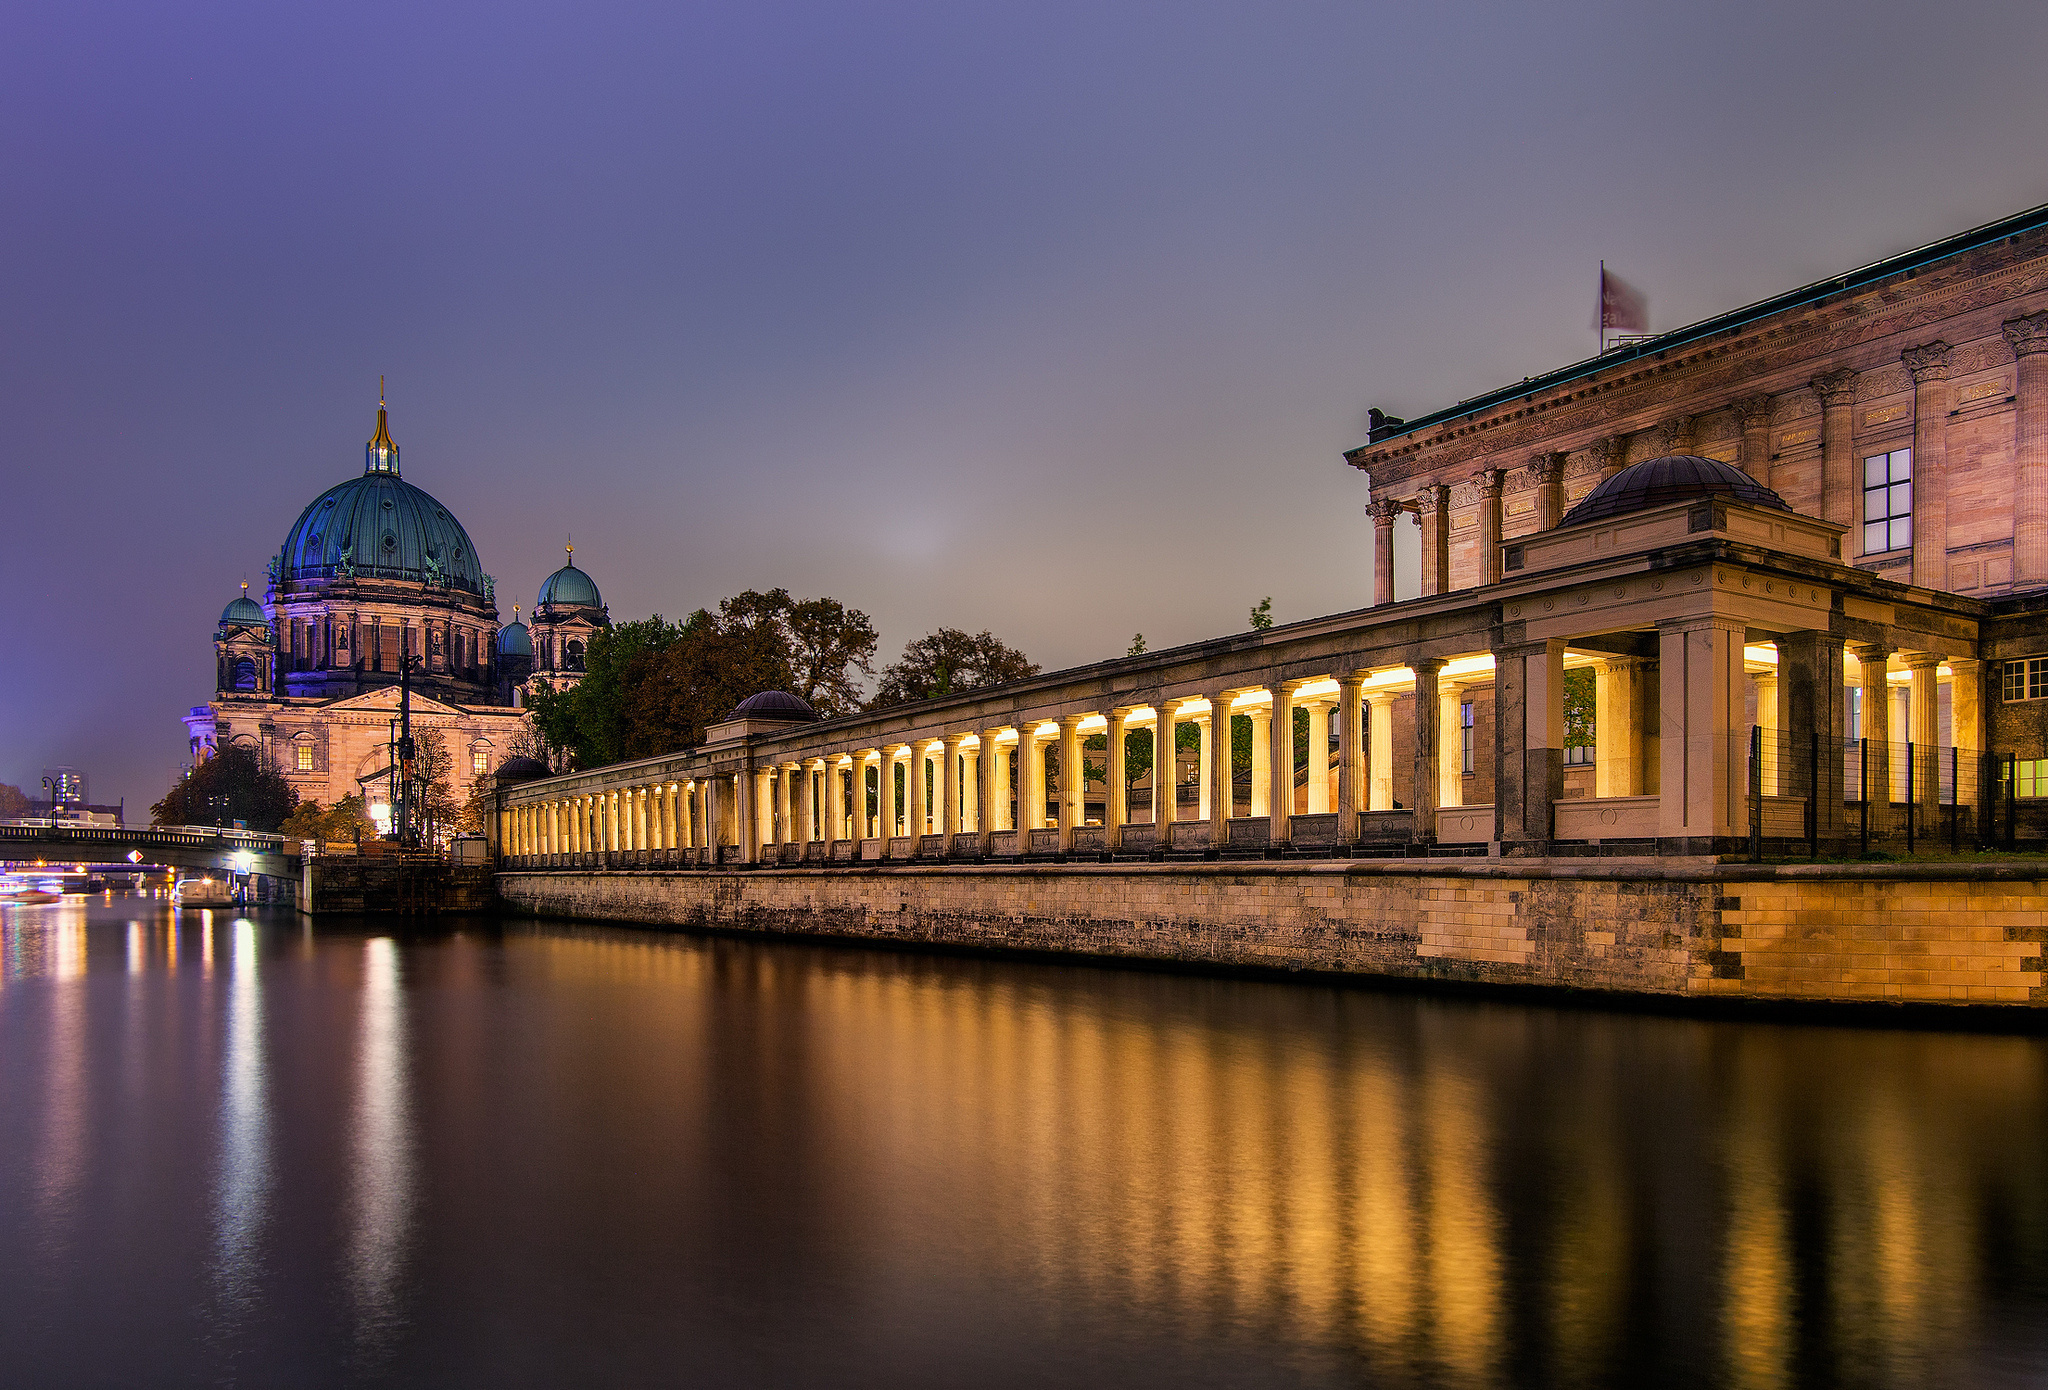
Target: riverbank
x=1956, y=935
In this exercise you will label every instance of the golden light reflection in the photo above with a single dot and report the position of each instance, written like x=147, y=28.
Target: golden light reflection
x=242, y=1177
x=381, y=1187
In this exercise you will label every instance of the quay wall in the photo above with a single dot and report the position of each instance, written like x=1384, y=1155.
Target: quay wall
x=1935, y=934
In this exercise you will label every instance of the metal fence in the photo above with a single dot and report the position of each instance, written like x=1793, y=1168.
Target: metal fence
x=1893, y=794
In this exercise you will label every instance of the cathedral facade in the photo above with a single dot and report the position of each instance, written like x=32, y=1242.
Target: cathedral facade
x=374, y=575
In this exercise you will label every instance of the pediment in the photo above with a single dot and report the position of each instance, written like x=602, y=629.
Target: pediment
x=385, y=701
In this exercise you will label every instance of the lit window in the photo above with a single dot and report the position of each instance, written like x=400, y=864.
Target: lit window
x=1888, y=502
x=1465, y=736
x=478, y=761
x=2027, y=679
x=2030, y=776
x=303, y=753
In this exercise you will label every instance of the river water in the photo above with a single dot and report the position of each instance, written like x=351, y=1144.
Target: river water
x=238, y=1151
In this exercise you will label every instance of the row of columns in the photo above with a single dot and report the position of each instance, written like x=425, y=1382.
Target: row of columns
x=660, y=816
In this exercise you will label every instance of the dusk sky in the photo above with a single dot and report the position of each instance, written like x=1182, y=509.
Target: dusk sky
x=1049, y=319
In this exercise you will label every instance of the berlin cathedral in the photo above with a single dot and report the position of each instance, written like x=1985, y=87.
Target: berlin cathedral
x=376, y=570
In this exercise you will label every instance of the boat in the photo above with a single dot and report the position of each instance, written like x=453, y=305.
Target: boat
x=33, y=896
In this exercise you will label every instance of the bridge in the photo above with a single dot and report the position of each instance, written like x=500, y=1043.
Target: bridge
x=195, y=848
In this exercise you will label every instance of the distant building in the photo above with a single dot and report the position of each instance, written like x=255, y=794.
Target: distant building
x=374, y=571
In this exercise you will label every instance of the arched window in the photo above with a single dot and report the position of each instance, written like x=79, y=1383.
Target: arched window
x=245, y=674
x=575, y=656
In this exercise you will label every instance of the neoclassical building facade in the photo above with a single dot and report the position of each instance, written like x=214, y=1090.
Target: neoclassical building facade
x=1801, y=550
x=374, y=572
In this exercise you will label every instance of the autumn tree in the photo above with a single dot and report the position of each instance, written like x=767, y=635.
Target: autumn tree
x=433, y=791
x=14, y=804
x=235, y=784
x=948, y=662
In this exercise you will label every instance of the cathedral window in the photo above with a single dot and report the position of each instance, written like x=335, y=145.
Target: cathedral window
x=245, y=674
x=302, y=757
x=479, y=761
x=1888, y=502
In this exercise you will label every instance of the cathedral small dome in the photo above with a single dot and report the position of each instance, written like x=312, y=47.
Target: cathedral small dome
x=514, y=639
x=570, y=587
x=1674, y=478
x=775, y=704
x=243, y=612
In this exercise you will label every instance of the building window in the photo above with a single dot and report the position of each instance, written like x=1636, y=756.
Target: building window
x=1465, y=737
x=1888, y=502
x=479, y=761
x=245, y=674
x=302, y=755
x=2027, y=678
x=2030, y=777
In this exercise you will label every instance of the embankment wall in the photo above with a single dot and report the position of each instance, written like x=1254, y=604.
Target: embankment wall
x=1944, y=934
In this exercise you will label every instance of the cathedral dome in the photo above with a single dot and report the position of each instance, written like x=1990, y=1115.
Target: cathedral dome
x=379, y=526
x=514, y=639
x=1675, y=478
x=243, y=612
x=570, y=587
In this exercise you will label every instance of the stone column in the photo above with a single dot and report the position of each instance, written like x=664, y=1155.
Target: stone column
x=1810, y=702
x=1490, y=482
x=920, y=797
x=1966, y=706
x=1701, y=788
x=1383, y=511
x=888, y=791
x=970, y=781
x=1433, y=509
x=1929, y=366
x=1318, y=757
x=1546, y=471
x=713, y=819
x=745, y=822
x=1768, y=690
x=1614, y=727
x=1115, y=805
x=1450, y=762
x=1528, y=740
x=949, y=785
x=1350, y=756
x=1163, y=765
x=1841, y=478
x=1876, y=732
x=1428, y=712
x=1205, y=751
x=1073, y=779
x=835, y=802
x=988, y=790
x=1030, y=783
x=785, y=803
x=1380, y=758
x=1923, y=711
x=1613, y=455
x=1280, y=804
x=1262, y=760
x=1222, y=785
x=1753, y=415
x=2029, y=338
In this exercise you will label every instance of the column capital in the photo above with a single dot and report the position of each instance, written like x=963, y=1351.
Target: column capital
x=2028, y=334
x=1433, y=495
x=1075, y=721
x=1928, y=362
x=1379, y=699
x=1868, y=652
x=1612, y=452
x=1384, y=510
x=1356, y=678
x=1490, y=480
x=1546, y=467
x=1753, y=412
x=1835, y=389
x=1699, y=622
x=1920, y=661
x=1678, y=435
x=1960, y=666
x=890, y=750
x=1427, y=665
x=955, y=740
x=1290, y=686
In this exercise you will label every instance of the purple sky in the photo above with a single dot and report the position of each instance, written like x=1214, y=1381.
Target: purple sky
x=1051, y=319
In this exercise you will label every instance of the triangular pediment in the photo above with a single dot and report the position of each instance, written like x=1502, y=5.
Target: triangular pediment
x=385, y=701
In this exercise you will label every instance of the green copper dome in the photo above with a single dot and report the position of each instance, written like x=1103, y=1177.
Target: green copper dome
x=514, y=639
x=570, y=586
x=243, y=612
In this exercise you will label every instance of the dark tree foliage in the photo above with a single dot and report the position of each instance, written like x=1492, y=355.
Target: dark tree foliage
x=1578, y=707
x=13, y=803
x=235, y=784
x=946, y=663
x=826, y=643
x=588, y=721
x=695, y=681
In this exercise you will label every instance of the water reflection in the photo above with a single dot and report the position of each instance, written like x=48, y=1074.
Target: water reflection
x=243, y=1178
x=380, y=1189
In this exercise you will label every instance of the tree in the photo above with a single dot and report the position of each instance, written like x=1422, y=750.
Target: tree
x=1579, y=705
x=347, y=821
x=13, y=803
x=826, y=643
x=1137, y=645
x=588, y=721
x=305, y=822
x=1262, y=614
x=696, y=680
x=947, y=662
x=235, y=784
x=434, y=804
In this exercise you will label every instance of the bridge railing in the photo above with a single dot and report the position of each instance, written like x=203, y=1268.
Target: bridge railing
x=180, y=837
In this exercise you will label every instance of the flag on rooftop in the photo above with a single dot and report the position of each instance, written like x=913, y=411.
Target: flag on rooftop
x=1623, y=307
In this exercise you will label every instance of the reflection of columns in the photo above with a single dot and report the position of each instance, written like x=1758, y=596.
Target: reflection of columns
x=1547, y=472
x=1318, y=757
x=988, y=789
x=1281, y=770
x=1490, y=481
x=1163, y=761
x=1923, y=715
x=1753, y=415
x=1219, y=773
x=1205, y=752
x=1767, y=691
x=1115, y=807
x=949, y=795
x=1874, y=700
x=1613, y=455
x=1810, y=710
x=1450, y=762
x=1614, y=727
x=1433, y=504
x=1428, y=713
x=1380, y=752
x=2029, y=339
x=920, y=800
x=1383, y=512
x=1929, y=366
x=1966, y=705
x=1073, y=778
x=888, y=790
x=1350, y=756
x=1841, y=483
x=1702, y=790
x=1262, y=756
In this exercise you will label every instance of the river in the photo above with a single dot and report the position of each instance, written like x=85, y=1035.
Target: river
x=236, y=1150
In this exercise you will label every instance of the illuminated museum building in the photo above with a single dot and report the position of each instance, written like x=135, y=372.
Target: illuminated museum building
x=375, y=570
x=1801, y=550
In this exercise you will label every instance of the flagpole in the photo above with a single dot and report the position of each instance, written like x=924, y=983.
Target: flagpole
x=1600, y=313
